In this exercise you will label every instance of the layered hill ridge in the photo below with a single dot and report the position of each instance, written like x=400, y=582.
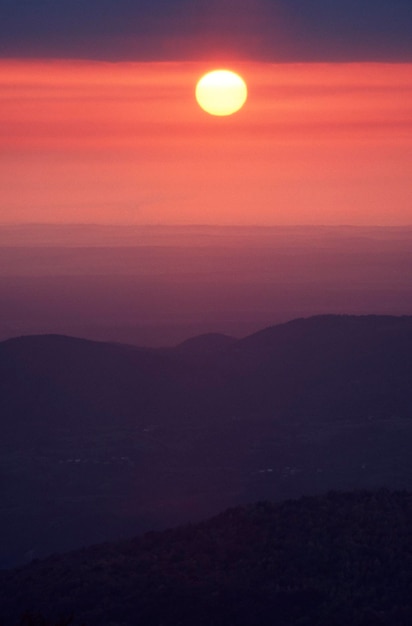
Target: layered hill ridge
x=104, y=440
x=356, y=361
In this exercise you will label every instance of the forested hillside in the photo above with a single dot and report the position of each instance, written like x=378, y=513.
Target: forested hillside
x=333, y=560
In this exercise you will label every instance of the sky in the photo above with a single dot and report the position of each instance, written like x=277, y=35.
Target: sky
x=99, y=124
x=259, y=30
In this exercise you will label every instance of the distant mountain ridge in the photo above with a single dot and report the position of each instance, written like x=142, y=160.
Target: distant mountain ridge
x=103, y=440
x=345, y=355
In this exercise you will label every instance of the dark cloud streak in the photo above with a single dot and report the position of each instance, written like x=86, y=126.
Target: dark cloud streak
x=275, y=30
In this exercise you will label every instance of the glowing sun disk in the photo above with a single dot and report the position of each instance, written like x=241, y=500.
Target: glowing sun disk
x=221, y=92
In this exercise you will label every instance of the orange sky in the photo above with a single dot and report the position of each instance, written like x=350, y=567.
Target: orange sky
x=113, y=143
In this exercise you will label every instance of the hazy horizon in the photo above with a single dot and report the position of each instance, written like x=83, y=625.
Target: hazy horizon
x=159, y=285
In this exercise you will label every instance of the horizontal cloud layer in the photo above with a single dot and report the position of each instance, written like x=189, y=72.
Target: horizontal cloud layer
x=126, y=142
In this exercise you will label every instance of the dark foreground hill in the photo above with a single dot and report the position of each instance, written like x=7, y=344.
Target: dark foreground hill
x=334, y=560
x=100, y=441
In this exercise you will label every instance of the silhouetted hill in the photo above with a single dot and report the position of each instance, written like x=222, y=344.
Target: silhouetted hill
x=99, y=441
x=325, y=324
x=338, y=363
x=208, y=343
x=328, y=366
x=338, y=559
x=50, y=381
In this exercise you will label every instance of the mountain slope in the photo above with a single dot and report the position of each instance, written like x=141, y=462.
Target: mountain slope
x=337, y=559
x=50, y=381
x=341, y=366
x=208, y=343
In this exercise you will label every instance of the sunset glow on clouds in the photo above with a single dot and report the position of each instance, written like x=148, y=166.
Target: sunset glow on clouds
x=126, y=142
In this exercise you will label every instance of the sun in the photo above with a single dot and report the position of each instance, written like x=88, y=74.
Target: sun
x=221, y=92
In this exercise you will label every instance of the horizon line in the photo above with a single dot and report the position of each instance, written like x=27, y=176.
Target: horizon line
x=204, y=225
